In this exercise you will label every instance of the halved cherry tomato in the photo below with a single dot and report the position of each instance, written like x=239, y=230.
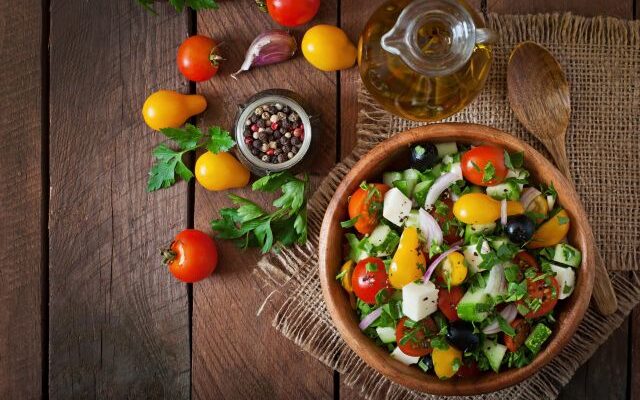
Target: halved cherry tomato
x=292, y=13
x=475, y=165
x=418, y=343
x=468, y=369
x=538, y=209
x=522, y=329
x=451, y=235
x=547, y=293
x=367, y=282
x=448, y=302
x=551, y=232
x=367, y=206
x=525, y=261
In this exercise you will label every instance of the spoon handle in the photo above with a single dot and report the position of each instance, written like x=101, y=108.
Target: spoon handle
x=603, y=293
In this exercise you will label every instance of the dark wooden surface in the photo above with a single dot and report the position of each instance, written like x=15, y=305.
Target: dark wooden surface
x=88, y=311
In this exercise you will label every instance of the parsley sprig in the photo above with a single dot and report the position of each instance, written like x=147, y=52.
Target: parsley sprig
x=179, y=5
x=169, y=162
x=249, y=225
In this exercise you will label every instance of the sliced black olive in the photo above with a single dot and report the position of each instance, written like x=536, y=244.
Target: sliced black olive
x=460, y=335
x=519, y=229
x=426, y=363
x=423, y=156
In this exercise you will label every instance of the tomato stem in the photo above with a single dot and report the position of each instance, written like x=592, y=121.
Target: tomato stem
x=168, y=255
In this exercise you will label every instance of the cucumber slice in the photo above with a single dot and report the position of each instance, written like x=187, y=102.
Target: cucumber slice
x=386, y=334
x=412, y=220
x=536, y=339
x=477, y=229
x=389, y=177
x=474, y=306
x=384, y=240
x=507, y=190
x=404, y=186
x=497, y=242
x=495, y=353
x=446, y=148
x=566, y=278
x=420, y=191
x=473, y=257
x=566, y=254
x=411, y=174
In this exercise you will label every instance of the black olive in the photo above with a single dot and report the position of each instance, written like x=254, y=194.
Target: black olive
x=427, y=362
x=423, y=156
x=519, y=229
x=460, y=335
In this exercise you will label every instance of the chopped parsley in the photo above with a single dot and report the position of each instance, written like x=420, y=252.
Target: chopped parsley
x=489, y=172
x=513, y=161
x=371, y=267
x=350, y=223
x=563, y=220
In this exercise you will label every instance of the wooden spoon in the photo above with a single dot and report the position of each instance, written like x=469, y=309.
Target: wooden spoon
x=539, y=96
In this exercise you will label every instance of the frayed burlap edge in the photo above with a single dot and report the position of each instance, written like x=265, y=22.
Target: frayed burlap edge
x=303, y=317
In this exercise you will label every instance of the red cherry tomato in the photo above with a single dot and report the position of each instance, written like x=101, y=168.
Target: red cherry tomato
x=192, y=257
x=522, y=329
x=448, y=302
x=367, y=206
x=468, y=369
x=475, y=162
x=367, y=283
x=198, y=58
x=418, y=343
x=292, y=13
x=547, y=293
x=451, y=235
x=525, y=261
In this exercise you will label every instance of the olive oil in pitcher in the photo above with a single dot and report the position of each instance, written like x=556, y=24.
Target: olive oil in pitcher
x=425, y=59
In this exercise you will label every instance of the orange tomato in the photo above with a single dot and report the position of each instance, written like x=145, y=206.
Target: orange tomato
x=367, y=206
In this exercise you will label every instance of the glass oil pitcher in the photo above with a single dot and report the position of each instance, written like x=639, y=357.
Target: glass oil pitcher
x=425, y=59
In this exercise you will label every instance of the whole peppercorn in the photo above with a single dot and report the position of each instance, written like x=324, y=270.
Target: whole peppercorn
x=261, y=124
x=265, y=107
x=257, y=144
x=297, y=132
x=273, y=109
x=255, y=135
x=295, y=141
x=277, y=151
x=286, y=148
x=285, y=109
x=264, y=147
x=273, y=145
x=287, y=135
x=257, y=111
x=282, y=115
x=290, y=155
x=285, y=124
x=265, y=115
x=273, y=118
x=277, y=135
x=265, y=158
x=247, y=133
x=284, y=140
x=254, y=128
x=247, y=122
x=278, y=106
x=255, y=152
x=260, y=130
x=294, y=150
x=248, y=140
x=281, y=158
x=268, y=131
x=254, y=118
x=270, y=152
x=293, y=117
x=262, y=136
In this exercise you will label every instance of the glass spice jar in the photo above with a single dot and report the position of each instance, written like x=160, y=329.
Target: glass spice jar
x=275, y=131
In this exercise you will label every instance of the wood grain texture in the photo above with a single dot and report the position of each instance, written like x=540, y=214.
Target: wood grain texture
x=634, y=354
x=119, y=323
x=237, y=355
x=21, y=199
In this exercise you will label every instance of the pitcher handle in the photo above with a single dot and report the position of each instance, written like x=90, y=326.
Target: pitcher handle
x=486, y=36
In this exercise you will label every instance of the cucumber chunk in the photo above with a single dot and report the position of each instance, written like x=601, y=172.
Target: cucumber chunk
x=566, y=254
x=507, y=190
x=446, y=148
x=495, y=353
x=420, y=191
x=404, y=186
x=412, y=220
x=566, y=278
x=384, y=240
x=536, y=339
x=497, y=242
x=478, y=229
x=474, y=306
x=473, y=257
x=386, y=334
x=389, y=177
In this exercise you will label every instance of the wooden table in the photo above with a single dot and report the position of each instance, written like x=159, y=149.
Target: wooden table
x=87, y=308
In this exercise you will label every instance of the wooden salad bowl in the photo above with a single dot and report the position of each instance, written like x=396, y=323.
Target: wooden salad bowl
x=393, y=154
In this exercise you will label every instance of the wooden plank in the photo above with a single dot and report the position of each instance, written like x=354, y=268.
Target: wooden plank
x=620, y=9
x=21, y=198
x=235, y=353
x=634, y=355
x=119, y=322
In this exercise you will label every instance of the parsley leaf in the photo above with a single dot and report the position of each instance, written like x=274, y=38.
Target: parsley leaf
x=251, y=226
x=169, y=162
x=513, y=161
x=489, y=172
x=371, y=267
x=179, y=5
x=563, y=220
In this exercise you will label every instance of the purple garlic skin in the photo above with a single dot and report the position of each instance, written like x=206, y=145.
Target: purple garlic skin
x=270, y=47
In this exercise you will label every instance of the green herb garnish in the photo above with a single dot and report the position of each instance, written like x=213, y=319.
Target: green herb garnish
x=513, y=161
x=179, y=5
x=489, y=172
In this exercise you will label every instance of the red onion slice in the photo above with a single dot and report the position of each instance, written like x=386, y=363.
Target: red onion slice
x=509, y=313
x=503, y=212
x=438, y=260
x=370, y=318
x=528, y=195
x=429, y=227
x=439, y=186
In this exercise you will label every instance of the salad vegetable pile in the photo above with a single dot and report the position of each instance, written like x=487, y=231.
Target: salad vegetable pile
x=457, y=264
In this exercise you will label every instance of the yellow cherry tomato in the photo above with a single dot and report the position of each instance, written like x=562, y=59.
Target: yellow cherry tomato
x=347, y=271
x=539, y=208
x=220, y=171
x=551, y=232
x=328, y=48
x=444, y=361
x=452, y=270
x=478, y=208
x=169, y=109
x=408, y=262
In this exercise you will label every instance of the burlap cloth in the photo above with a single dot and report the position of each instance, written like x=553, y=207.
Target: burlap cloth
x=601, y=57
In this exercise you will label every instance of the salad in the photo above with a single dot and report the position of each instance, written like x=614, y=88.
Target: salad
x=457, y=264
